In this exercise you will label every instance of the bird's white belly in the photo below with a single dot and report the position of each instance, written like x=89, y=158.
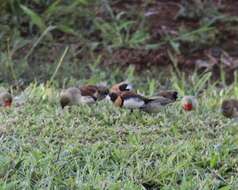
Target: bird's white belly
x=133, y=103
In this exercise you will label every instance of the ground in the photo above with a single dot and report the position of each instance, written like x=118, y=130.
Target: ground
x=104, y=147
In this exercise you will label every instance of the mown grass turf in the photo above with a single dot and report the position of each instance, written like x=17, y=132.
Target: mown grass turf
x=103, y=147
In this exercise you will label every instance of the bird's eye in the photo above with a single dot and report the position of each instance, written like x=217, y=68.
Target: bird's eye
x=123, y=87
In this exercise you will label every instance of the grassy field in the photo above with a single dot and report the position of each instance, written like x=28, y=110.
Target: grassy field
x=50, y=45
x=103, y=147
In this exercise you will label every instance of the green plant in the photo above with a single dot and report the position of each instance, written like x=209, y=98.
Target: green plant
x=11, y=68
x=118, y=33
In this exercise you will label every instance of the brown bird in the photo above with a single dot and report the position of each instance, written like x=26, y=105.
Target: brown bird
x=131, y=100
x=128, y=100
x=5, y=99
x=170, y=94
x=229, y=108
x=99, y=92
x=87, y=94
x=121, y=87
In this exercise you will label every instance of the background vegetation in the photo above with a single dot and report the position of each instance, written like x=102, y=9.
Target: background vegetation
x=188, y=35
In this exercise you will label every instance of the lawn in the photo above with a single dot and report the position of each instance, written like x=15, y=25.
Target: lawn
x=188, y=46
x=104, y=147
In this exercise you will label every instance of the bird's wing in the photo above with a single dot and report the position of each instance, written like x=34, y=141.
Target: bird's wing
x=160, y=100
x=88, y=90
x=171, y=94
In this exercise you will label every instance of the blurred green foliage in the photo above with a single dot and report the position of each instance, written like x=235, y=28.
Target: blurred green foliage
x=34, y=34
x=30, y=28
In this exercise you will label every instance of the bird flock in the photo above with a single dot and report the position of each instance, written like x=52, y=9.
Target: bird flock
x=123, y=95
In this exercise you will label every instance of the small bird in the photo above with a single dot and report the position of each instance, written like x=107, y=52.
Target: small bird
x=189, y=103
x=70, y=96
x=128, y=100
x=131, y=100
x=87, y=94
x=170, y=94
x=96, y=91
x=121, y=87
x=229, y=108
x=5, y=99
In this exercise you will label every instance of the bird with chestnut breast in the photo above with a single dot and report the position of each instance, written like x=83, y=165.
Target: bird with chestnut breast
x=128, y=100
x=131, y=100
x=229, y=108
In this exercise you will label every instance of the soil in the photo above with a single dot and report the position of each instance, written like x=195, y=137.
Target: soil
x=163, y=18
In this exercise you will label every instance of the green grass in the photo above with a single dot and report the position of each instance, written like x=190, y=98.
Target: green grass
x=103, y=147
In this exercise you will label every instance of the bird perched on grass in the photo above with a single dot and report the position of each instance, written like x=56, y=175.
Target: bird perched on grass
x=5, y=99
x=121, y=87
x=99, y=92
x=128, y=100
x=229, y=108
x=87, y=94
x=189, y=103
x=131, y=100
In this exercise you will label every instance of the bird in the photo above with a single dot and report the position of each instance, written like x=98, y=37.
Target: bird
x=170, y=94
x=189, y=103
x=229, y=108
x=96, y=91
x=121, y=87
x=127, y=99
x=132, y=100
x=5, y=99
x=87, y=94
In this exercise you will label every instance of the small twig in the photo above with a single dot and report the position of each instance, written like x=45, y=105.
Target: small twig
x=47, y=30
x=59, y=64
x=174, y=64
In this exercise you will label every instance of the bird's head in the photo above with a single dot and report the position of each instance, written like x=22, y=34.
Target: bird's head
x=113, y=96
x=7, y=100
x=188, y=103
x=125, y=87
x=227, y=108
